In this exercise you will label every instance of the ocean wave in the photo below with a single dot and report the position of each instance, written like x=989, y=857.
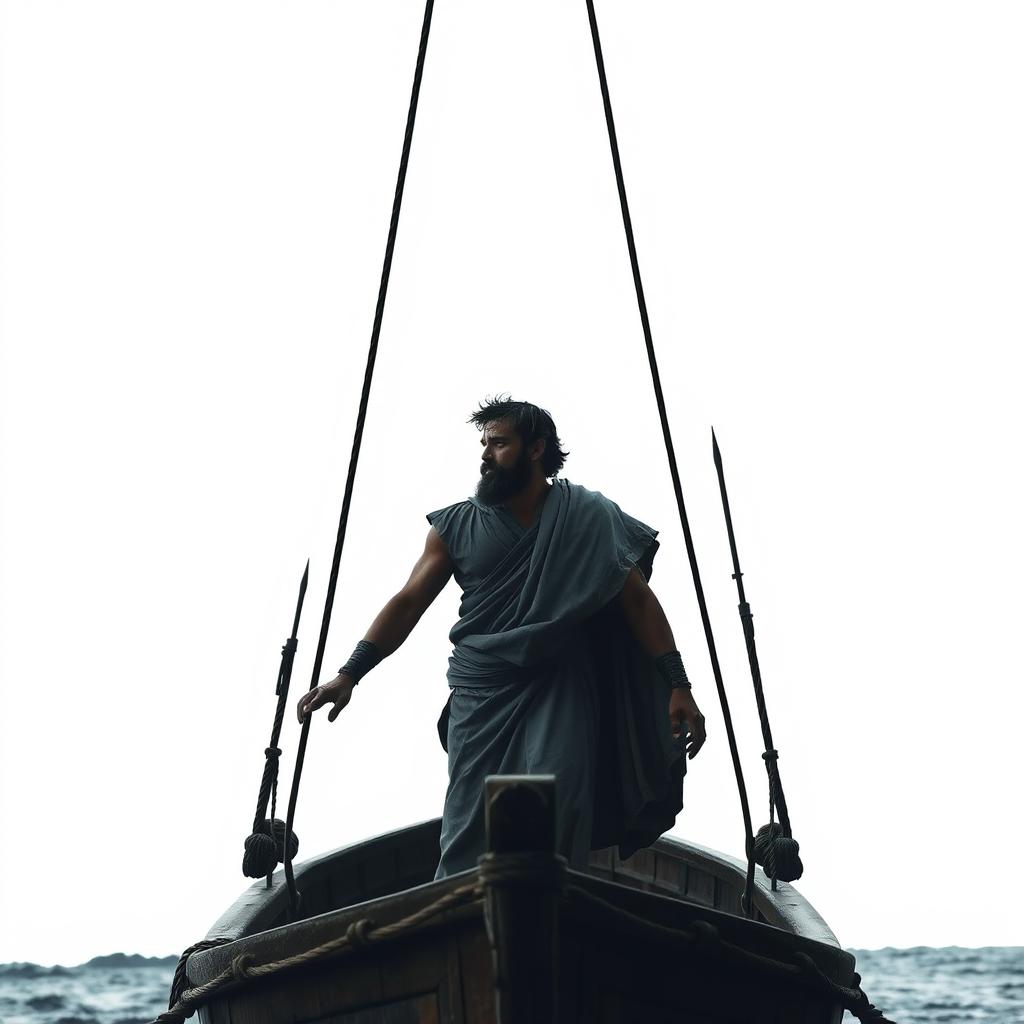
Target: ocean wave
x=914, y=985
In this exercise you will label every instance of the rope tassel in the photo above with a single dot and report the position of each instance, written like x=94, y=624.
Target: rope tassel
x=775, y=849
x=264, y=849
x=778, y=854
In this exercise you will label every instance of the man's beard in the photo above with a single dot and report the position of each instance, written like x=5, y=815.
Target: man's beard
x=500, y=484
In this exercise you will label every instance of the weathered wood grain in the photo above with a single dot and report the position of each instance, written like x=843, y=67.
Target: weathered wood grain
x=445, y=975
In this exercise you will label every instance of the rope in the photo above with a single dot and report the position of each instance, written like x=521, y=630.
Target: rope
x=775, y=849
x=360, y=933
x=705, y=938
x=529, y=868
x=293, y=893
x=179, y=982
x=503, y=870
x=497, y=869
x=670, y=452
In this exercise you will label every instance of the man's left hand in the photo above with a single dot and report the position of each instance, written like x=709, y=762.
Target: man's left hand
x=683, y=708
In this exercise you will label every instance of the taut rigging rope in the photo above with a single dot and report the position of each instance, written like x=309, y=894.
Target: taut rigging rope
x=363, y=933
x=670, y=452
x=364, y=398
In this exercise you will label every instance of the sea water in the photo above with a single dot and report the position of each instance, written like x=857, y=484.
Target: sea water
x=922, y=985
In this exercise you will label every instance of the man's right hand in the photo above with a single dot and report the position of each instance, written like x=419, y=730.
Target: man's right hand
x=337, y=692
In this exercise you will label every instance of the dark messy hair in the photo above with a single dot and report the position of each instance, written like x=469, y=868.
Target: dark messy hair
x=532, y=424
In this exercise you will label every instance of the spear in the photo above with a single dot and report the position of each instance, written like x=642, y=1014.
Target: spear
x=775, y=849
x=266, y=846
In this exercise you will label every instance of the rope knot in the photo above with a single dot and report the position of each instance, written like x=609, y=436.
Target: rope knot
x=358, y=932
x=264, y=849
x=291, y=645
x=778, y=853
x=273, y=753
x=522, y=868
x=241, y=966
x=771, y=755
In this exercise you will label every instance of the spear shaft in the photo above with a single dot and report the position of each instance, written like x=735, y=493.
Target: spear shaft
x=747, y=618
x=260, y=848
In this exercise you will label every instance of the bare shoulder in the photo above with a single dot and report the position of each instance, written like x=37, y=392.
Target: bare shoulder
x=433, y=569
x=635, y=589
x=435, y=546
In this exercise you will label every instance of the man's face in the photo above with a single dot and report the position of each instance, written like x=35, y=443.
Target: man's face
x=506, y=468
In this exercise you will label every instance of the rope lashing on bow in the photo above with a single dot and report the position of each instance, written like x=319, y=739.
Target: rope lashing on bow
x=265, y=847
x=179, y=983
x=359, y=935
x=518, y=869
x=705, y=938
x=522, y=868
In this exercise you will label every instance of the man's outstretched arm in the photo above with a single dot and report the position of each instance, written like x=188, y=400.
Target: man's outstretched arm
x=393, y=624
x=646, y=619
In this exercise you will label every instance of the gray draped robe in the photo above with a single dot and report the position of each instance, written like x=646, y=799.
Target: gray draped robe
x=546, y=676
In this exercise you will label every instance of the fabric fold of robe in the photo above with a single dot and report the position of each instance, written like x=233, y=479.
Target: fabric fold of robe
x=538, y=606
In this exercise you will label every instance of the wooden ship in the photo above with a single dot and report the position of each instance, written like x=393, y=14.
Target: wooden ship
x=366, y=935
x=522, y=939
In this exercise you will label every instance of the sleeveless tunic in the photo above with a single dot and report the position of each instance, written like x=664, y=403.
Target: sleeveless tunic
x=546, y=677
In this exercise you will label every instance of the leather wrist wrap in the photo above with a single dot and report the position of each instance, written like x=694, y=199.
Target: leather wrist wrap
x=362, y=659
x=670, y=668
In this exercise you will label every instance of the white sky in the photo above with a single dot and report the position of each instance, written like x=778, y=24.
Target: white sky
x=195, y=198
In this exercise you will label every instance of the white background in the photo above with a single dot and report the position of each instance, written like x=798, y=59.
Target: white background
x=829, y=218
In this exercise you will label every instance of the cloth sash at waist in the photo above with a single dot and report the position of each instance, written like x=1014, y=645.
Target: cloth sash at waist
x=470, y=668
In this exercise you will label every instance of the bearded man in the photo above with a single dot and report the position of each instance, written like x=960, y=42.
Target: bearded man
x=563, y=661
